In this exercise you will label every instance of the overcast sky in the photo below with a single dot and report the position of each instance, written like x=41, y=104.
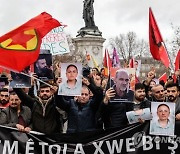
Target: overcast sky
x=111, y=16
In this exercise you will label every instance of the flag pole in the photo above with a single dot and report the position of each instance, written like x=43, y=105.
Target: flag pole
x=26, y=75
x=169, y=58
x=35, y=78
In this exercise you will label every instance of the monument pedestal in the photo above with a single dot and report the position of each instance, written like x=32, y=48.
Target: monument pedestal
x=90, y=41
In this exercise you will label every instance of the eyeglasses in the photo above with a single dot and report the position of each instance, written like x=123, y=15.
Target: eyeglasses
x=4, y=95
x=47, y=91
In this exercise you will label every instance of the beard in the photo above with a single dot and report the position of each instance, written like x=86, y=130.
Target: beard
x=171, y=98
x=45, y=97
x=140, y=98
x=4, y=101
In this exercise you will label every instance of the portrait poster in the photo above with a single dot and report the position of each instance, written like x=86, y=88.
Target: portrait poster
x=134, y=116
x=163, y=118
x=71, y=74
x=19, y=80
x=3, y=82
x=43, y=66
x=56, y=41
x=137, y=65
x=122, y=80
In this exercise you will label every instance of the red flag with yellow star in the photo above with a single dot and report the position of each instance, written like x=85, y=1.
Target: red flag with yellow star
x=20, y=47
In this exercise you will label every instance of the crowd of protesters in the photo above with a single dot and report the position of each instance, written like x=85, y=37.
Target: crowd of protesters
x=100, y=105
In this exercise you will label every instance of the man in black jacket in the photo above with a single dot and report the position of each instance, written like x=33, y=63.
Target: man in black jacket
x=117, y=101
x=82, y=109
x=45, y=117
x=16, y=115
x=173, y=96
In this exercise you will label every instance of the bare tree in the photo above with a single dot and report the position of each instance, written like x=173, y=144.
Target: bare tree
x=175, y=43
x=128, y=45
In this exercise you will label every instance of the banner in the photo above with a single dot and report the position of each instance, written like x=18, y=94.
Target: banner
x=56, y=41
x=133, y=139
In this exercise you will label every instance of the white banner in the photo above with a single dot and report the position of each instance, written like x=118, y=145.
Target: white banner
x=56, y=41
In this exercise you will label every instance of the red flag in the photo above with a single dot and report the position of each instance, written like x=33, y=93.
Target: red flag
x=107, y=62
x=156, y=42
x=20, y=47
x=177, y=61
x=163, y=77
x=131, y=63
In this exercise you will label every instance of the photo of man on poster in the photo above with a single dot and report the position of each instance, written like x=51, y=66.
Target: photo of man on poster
x=163, y=121
x=121, y=86
x=71, y=79
x=43, y=67
x=19, y=80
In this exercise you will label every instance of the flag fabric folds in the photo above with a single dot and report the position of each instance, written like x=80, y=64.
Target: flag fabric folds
x=156, y=42
x=177, y=61
x=115, y=59
x=131, y=62
x=163, y=77
x=95, y=63
x=20, y=47
x=107, y=62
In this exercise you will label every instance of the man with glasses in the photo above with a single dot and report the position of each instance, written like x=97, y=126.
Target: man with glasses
x=45, y=117
x=4, y=98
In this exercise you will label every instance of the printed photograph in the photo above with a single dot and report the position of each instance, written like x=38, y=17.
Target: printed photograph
x=163, y=120
x=135, y=116
x=123, y=82
x=19, y=80
x=71, y=74
x=43, y=66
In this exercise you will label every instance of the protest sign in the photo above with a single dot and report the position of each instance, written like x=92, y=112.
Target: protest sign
x=56, y=41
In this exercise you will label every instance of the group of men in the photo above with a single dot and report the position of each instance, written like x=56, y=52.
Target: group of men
x=98, y=107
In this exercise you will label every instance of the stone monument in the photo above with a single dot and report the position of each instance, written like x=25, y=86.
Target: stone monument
x=89, y=39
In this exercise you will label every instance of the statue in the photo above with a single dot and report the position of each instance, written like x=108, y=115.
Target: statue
x=88, y=13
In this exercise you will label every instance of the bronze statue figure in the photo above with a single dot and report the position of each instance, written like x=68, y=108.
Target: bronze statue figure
x=88, y=13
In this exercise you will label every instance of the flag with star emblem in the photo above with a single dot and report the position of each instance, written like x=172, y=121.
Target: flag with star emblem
x=20, y=47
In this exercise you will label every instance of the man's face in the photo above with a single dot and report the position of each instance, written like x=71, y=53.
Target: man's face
x=45, y=93
x=122, y=81
x=163, y=112
x=71, y=73
x=97, y=80
x=152, y=83
x=158, y=93
x=14, y=101
x=84, y=98
x=172, y=93
x=41, y=64
x=93, y=71
x=140, y=94
x=4, y=97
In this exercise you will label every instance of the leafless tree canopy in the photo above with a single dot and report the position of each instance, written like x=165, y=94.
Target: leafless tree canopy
x=175, y=43
x=128, y=45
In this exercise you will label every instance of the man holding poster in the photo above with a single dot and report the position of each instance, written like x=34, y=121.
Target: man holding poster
x=117, y=101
